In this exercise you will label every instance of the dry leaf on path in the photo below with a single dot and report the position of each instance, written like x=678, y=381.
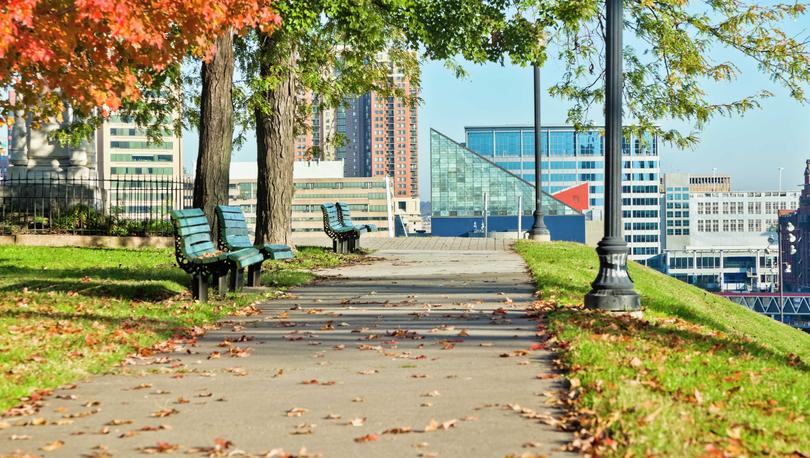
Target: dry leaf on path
x=51, y=446
x=160, y=447
x=366, y=438
x=165, y=412
x=297, y=412
x=358, y=421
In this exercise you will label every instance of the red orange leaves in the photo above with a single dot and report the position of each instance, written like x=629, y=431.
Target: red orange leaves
x=92, y=53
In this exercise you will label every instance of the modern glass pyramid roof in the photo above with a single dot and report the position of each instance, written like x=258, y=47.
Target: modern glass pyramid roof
x=460, y=177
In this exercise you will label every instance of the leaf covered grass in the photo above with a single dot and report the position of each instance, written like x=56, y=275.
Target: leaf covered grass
x=698, y=376
x=69, y=312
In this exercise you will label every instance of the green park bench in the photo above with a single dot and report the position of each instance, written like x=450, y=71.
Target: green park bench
x=233, y=235
x=197, y=255
x=346, y=219
x=343, y=237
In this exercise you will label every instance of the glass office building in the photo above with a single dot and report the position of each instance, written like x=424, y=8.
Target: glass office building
x=462, y=180
x=571, y=158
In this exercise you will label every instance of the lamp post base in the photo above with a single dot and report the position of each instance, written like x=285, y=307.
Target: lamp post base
x=539, y=232
x=539, y=237
x=613, y=290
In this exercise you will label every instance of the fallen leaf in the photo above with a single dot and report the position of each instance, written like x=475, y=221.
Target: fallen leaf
x=398, y=430
x=432, y=426
x=160, y=447
x=368, y=372
x=304, y=429
x=297, y=412
x=165, y=412
x=51, y=446
x=19, y=437
x=332, y=416
x=358, y=421
x=366, y=438
x=432, y=394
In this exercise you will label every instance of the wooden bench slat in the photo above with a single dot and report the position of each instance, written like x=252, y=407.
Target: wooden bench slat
x=193, y=221
x=232, y=217
x=190, y=230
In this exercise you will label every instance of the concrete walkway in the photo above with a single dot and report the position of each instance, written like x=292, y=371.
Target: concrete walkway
x=382, y=243
x=419, y=354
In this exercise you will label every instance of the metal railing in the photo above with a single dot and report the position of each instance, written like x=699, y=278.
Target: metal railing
x=123, y=206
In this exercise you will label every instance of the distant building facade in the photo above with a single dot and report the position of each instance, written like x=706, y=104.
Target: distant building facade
x=317, y=182
x=794, y=231
x=378, y=137
x=709, y=183
x=571, y=158
x=720, y=240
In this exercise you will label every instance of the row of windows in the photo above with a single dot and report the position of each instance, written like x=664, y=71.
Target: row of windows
x=340, y=185
x=737, y=208
x=640, y=213
x=678, y=231
x=353, y=207
x=641, y=226
x=141, y=157
x=141, y=170
x=640, y=201
x=133, y=144
x=555, y=143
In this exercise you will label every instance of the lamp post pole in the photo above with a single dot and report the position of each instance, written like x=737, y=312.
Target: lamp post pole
x=613, y=290
x=539, y=231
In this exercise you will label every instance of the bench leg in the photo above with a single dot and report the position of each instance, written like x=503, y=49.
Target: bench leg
x=255, y=275
x=199, y=288
x=221, y=282
x=335, y=245
x=355, y=244
x=237, y=279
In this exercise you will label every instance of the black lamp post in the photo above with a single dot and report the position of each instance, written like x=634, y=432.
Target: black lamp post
x=613, y=290
x=539, y=231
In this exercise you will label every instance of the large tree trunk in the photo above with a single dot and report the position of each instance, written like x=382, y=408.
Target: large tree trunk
x=216, y=130
x=275, y=139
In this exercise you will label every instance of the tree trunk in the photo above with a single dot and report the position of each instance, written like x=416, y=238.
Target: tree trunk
x=275, y=139
x=216, y=130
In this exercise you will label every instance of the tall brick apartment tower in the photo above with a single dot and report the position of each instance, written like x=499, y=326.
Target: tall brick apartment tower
x=391, y=146
x=380, y=136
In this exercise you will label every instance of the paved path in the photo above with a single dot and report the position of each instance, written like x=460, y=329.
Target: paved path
x=379, y=242
x=409, y=345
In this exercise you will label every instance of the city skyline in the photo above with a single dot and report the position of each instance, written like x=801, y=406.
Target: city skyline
x=494, y=95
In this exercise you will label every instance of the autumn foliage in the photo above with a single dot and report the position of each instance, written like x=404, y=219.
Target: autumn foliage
x=93, y=53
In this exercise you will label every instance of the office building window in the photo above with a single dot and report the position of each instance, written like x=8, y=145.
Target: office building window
x=480, y=142
x=507, y=143
x=562, y=144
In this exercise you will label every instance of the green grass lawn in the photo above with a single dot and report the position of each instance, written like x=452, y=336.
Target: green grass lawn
x=698, y=376
x=69, y=312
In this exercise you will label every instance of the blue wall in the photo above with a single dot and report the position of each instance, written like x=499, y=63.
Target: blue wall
x=563, y=227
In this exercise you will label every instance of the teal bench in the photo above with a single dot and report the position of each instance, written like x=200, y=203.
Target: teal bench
x=197, y=255
x=234, y=235
x=343, y=238
x=346, y=219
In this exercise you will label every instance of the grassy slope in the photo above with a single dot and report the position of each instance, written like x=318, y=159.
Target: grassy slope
x=700, y=375
x=68, y=312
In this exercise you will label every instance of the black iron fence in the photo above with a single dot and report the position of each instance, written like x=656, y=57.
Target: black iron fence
x=127, y=206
